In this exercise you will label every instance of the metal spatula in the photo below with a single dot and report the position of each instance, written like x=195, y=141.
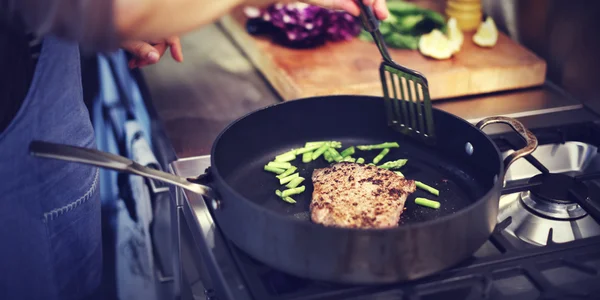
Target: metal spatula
x=403, y=89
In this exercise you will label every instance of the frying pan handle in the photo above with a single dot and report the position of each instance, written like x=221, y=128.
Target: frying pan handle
x=113, y=162
x=518, y=127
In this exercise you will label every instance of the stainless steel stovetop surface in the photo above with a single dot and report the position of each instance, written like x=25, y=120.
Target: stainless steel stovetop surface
x=533, y=219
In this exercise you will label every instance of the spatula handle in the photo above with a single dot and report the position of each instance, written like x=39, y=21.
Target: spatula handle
x=371, y=24
x=367, y=17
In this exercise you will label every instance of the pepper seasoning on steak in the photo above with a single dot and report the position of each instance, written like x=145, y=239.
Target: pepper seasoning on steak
x=358, y=196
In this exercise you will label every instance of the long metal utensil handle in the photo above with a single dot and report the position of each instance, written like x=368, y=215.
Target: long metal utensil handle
x=114, y=162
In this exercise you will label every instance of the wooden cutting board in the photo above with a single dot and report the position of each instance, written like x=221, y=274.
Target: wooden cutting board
x=352, y=67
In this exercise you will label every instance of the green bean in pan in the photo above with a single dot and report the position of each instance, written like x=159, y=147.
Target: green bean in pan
x=273, y=169
x=285, y=180
x=287, y=172
x=381, y=155
x=378, y=146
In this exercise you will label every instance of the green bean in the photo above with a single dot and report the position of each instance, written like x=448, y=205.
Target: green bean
x=288, y=156
x=280, y=165
x=320, y=151
x=307, y=157
x=295, y=182
x=349, y=159
x=333, y=144
x=328, y=157
x=399, y=173
x=289, y=200
x=381, y=155
x=427, y=203
x=427, y=188
x=273, y=169
x=347, y=152
x=286, y=199
x=306, y=149
x=335, y=155
x=294, y=191
x=392, y=165
x=378, y=146
x=360, y=160
x=285, y=180
x=287, y=172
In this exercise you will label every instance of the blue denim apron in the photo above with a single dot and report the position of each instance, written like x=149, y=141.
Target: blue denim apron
x=50, y=234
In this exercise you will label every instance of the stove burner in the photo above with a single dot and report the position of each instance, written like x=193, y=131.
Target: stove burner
x=557, y=187
x=553, y=198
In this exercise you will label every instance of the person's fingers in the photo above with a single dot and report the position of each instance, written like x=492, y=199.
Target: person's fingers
x=381, y=10
x=142, y=51
x=348, y=5
x=368, y=2
x=176, y=50
x=161, y=48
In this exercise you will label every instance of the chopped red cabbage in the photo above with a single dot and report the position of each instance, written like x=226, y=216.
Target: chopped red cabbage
x=302, y=25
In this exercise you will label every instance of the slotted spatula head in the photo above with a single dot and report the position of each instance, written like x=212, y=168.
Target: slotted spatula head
x=406, y=92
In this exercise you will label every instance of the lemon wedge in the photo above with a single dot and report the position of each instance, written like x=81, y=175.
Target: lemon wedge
x=436, y=45
x=487, y=34
x=455, y=35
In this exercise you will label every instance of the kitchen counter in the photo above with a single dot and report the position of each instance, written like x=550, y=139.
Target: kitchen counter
x=217, y=84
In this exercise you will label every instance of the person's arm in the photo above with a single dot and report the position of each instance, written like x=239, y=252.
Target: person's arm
x=102, y=25
x=149, y=19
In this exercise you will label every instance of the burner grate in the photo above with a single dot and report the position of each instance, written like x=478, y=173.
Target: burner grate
x=538, y=272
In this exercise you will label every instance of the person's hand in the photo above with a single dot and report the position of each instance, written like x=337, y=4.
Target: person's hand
x=149, y=53
x=379, y=6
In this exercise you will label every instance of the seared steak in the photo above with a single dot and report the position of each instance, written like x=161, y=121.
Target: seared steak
x=359, y=196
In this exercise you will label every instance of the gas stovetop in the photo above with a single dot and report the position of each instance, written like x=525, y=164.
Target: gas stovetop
x=545, y=246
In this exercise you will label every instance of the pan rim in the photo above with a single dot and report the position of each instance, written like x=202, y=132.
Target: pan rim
x=311, y=225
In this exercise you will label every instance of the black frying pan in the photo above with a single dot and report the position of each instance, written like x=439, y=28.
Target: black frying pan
x=464, y=165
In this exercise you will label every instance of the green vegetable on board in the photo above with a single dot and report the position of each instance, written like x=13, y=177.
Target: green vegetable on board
x=406, y=23
x=381, y=155
x=273, y=169
x=286, y=199
x=396, y=164
x=427, y=188
x=291, y=192
x=287, y=172
x=347, y=152
x=378, y=146
x=402, y=41
x=360, y=160
x=320, y=151
x=307, y=157
x=280, y=165
x=295, y=182
x=427, y=203
x=285, y=180
x=335, y=155
x=288, y=156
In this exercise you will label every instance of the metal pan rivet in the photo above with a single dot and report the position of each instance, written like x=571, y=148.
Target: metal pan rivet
x=215, y=204
x=469, y=148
